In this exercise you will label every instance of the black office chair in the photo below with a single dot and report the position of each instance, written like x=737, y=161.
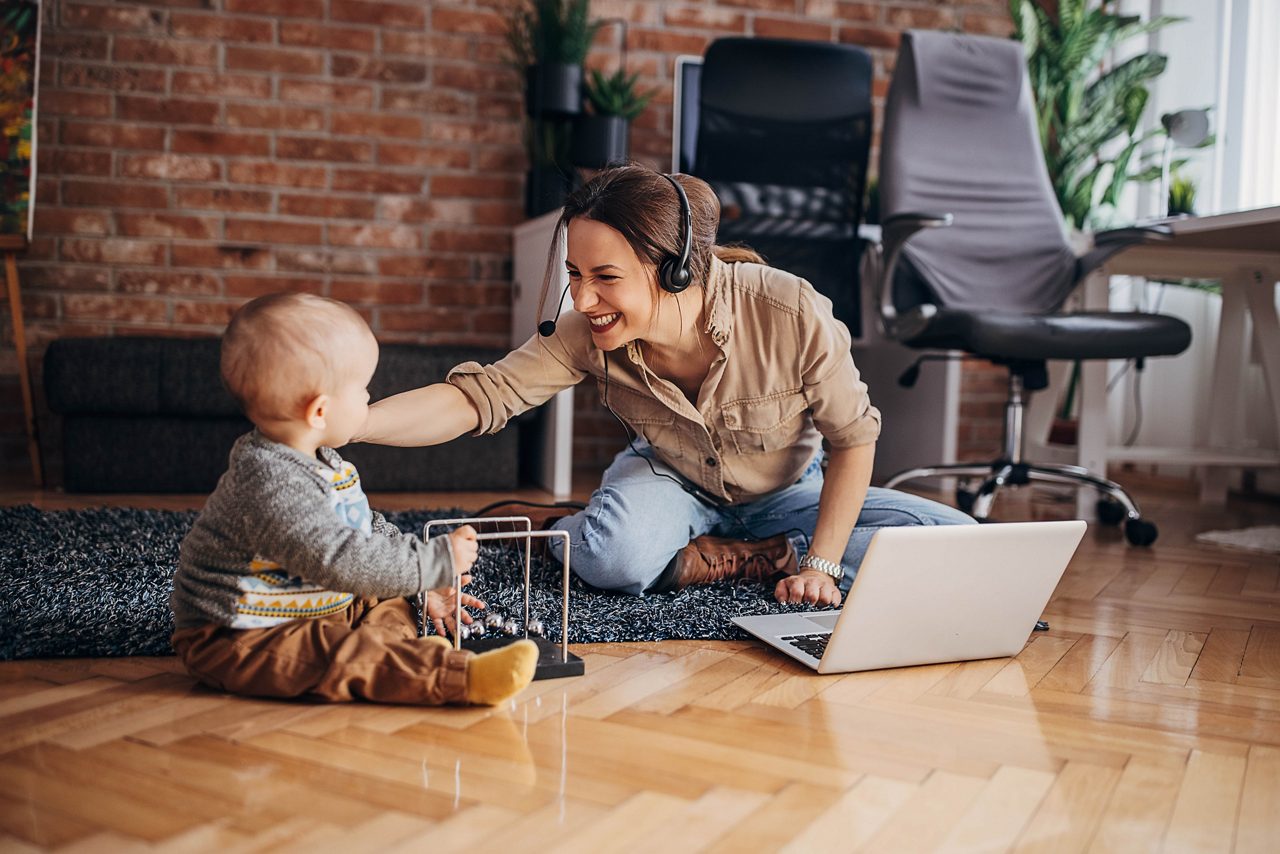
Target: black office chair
x=784, y=130
x=974, y=255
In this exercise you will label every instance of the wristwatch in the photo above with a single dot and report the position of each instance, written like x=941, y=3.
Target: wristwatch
x=821, y=564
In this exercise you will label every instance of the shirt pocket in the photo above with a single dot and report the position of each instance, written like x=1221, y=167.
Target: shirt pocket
x=648, y=418
x=763, y=424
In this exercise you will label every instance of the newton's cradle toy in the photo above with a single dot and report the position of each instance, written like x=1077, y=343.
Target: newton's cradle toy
x=494, y=630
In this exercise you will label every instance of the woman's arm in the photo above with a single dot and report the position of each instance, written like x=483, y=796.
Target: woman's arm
x=844, y=489
x=425, y=416
x=482, y=398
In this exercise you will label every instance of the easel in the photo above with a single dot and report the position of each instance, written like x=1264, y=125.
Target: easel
x=11, y=245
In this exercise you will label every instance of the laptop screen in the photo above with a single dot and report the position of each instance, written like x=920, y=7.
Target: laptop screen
x=684, y=126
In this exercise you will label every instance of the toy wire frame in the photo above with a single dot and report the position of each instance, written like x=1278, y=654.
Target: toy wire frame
x=528, y=535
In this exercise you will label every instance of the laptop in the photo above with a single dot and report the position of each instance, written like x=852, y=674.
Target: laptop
x=925, y=595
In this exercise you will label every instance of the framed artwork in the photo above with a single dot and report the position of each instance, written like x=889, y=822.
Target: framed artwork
x=19, y=67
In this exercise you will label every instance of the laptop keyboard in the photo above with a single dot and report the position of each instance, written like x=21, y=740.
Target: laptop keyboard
x=814, y=644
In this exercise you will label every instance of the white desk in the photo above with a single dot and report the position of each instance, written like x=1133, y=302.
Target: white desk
x=1242, y=251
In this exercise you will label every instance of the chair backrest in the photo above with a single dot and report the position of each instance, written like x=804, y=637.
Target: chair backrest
x=960, y=137
x=784, y=130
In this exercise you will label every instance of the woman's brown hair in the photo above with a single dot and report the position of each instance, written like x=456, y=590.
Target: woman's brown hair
x=642, y=206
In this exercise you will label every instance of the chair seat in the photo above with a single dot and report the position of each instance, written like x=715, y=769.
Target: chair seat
x=1086, y=335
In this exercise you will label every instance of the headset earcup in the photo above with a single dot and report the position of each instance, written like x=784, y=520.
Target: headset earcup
x=673, y=278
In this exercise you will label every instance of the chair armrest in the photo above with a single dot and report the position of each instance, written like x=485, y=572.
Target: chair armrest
x=895, y=232
x=1112, y=241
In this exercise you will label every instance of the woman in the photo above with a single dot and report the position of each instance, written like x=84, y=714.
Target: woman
x=729, y=374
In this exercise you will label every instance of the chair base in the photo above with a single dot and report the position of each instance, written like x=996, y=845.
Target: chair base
x=1115, y=505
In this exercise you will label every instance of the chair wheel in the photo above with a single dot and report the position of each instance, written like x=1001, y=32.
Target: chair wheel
x=1140, y=532
x=1110, y=511
x=965, y=499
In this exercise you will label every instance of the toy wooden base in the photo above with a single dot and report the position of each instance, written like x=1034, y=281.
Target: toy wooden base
x=549, y=664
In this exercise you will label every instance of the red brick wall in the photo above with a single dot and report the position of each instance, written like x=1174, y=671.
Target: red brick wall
x=196, y=153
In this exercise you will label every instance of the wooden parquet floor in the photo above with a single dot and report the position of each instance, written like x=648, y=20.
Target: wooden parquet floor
x=1147, y=719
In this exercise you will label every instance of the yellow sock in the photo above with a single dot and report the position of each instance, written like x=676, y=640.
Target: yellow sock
x=500, y=674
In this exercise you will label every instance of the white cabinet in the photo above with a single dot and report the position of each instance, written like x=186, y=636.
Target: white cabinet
x=532, y=239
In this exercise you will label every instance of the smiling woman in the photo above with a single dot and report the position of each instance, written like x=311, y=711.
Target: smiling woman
x=727, y=374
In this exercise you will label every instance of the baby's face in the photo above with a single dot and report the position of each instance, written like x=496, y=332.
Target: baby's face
x=349, y=402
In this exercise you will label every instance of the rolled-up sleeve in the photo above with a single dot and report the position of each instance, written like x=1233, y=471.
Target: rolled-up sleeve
x=526, y=377
x=836, y=394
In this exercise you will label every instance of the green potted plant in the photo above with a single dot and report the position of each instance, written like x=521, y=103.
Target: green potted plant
x=549, y=40
x=1089, y=113
x=1182, y=196
x=601, y=136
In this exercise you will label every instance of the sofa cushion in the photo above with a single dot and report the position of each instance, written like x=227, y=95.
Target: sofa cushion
x=152, y=415
x=136, y=376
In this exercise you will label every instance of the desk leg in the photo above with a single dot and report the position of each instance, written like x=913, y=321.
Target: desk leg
x=1091, y=436
x=1225, y=413
x=24, y=379
x=1261, y=293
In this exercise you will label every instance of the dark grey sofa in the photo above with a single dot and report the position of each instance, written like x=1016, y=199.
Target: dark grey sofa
x=151, y=415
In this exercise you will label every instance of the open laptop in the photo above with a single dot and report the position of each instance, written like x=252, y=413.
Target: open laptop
x=925, y=595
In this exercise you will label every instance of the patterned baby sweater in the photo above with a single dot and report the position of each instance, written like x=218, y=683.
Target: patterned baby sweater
x=286, y=537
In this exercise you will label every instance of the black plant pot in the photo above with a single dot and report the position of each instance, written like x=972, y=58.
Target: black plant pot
x=545, y=189
x=599, y=141
x=553, y=88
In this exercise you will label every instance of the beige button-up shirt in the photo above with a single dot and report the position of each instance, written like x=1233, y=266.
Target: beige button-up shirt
x=783, y=379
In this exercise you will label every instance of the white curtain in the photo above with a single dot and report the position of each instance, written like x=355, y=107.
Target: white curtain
x=1259, y=121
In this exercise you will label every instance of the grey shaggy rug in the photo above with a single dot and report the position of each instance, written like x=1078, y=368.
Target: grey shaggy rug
x=96, y=583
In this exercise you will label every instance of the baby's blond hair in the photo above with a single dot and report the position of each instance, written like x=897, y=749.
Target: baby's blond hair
x=281, y=351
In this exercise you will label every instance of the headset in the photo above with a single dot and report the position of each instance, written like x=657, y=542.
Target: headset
x=674, y=275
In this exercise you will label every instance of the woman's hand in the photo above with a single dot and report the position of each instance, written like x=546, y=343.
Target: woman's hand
x=811, y=586
x=442, y=605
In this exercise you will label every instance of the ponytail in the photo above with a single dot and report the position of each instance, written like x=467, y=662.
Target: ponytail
x=737, y=253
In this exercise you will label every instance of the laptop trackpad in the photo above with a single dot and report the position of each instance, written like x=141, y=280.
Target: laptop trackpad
x=827, y=621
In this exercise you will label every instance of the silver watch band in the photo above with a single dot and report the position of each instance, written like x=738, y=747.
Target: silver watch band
x=821, y=564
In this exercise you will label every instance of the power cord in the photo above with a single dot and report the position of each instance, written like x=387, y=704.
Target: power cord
x=555, y=505
x=1137, y=365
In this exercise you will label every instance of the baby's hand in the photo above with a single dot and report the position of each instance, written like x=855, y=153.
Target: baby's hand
x=463, y=543
x=442, y=605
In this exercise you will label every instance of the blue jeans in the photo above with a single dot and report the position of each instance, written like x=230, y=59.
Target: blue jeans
x=635, y=522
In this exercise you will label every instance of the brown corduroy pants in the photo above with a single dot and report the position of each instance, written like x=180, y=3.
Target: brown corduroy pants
x=371, y=651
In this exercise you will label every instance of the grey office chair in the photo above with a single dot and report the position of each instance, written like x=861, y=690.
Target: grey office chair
x=974, y=256
x=784, y=131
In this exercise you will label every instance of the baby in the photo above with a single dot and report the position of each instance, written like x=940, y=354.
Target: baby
x=288, y=585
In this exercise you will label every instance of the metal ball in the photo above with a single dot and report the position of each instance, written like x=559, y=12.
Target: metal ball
x=464, y=632
x=510, y=627
x=493, y=621
x=535, y=627
x=476, y=630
